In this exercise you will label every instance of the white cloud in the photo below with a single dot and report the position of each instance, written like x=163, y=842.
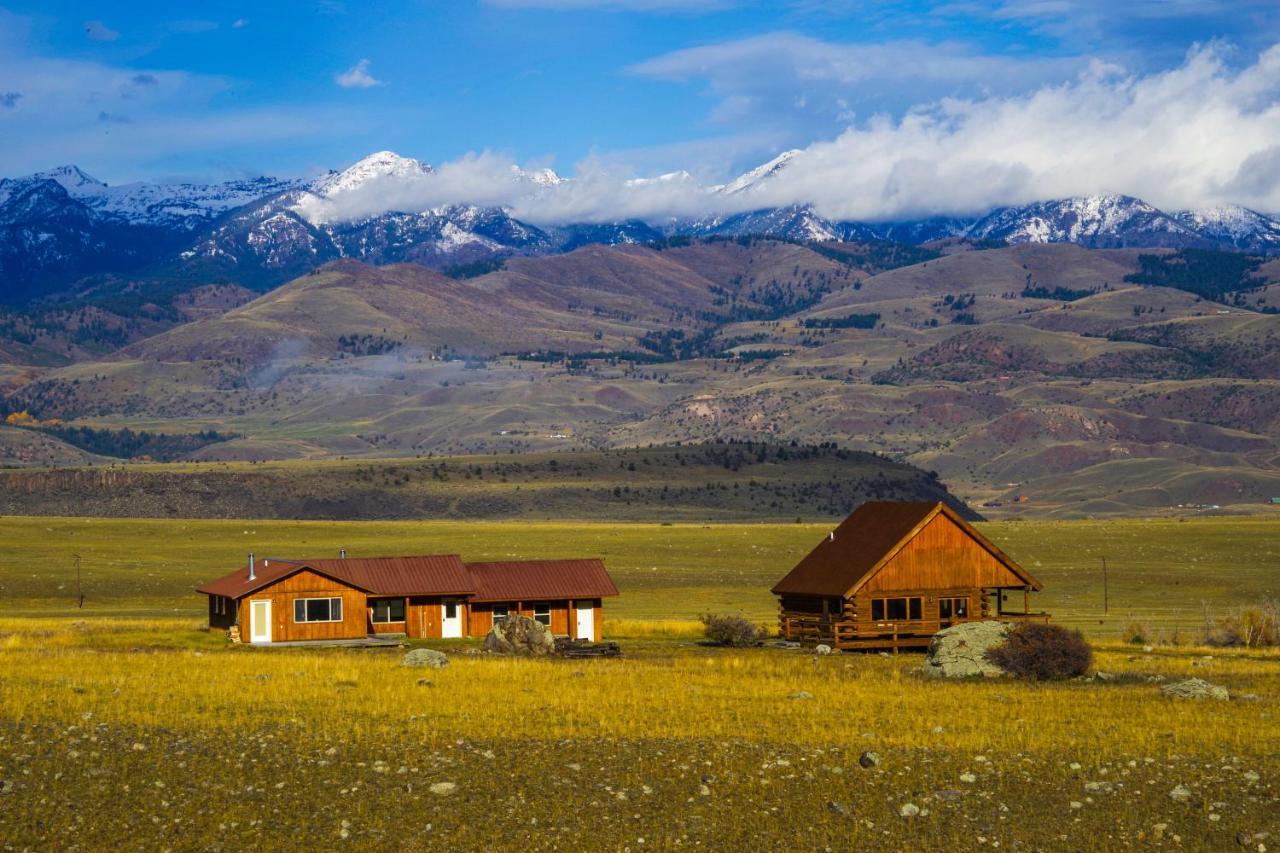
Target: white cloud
x=99, y=31
x=358, y=77
x=788, y=79
x=1198, y=134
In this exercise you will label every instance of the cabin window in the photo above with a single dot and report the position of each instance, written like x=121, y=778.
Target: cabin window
x=388, y=610
x=317, y=610
x=897, y=609
x=953, y=608
x=500, y=612
x=542, y=613
x=219, y=605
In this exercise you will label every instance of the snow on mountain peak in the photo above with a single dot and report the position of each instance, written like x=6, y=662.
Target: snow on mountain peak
x=540, y=177
x=753, y=179
x=380, y=164
x=679, y=177
x=74, y=180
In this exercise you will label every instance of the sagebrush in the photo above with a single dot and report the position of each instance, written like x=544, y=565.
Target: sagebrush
x=1043, y=653
x=731, y=629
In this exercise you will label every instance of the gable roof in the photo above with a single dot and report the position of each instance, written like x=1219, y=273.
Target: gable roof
x=869, y=538
x=442, y=574
x=540, y=580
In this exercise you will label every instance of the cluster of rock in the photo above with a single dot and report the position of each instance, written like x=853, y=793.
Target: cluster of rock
x=520, y=635
x=961, y=650
x=523, y=637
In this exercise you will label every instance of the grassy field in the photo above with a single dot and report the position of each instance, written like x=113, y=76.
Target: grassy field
x=125, y=724
x=1162, y=572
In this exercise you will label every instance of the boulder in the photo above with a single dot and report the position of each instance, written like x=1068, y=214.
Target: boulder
x=961, y=650
x=520, y=635
x=425, y=657
x=1195, y=688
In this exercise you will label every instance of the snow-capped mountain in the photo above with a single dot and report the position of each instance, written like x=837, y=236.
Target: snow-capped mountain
x=756, y=178
x=62, y=224
x=377, y=166
x=1234, y=226
x=1098, y=221
x=794, y=222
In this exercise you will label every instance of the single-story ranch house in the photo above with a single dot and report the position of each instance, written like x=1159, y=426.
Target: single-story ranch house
x=893, y=574
x=430, y=597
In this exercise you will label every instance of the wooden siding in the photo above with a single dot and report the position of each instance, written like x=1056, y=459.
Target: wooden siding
x=306, y=584
x=941, y=556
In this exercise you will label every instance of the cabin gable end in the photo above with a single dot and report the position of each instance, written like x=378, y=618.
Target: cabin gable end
x=940, y=555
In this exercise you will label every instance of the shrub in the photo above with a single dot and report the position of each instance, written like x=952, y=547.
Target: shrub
x=1137, y=634
x=1043, y=653
x=731, y=629
x=1255, y=626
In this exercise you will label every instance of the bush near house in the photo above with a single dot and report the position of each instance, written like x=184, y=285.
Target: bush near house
x=1043, y=653
x=731, y=629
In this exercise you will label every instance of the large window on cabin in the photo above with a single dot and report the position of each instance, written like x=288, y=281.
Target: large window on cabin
x=897, y=609
x=317, y=610
x=953, y=608
x=388, y=610
x=542, y=613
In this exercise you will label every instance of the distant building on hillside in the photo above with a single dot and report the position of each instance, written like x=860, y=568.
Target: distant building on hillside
x=895, y=573
x=438, y=596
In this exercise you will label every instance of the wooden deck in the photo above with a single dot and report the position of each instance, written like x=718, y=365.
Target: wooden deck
x=840, y=633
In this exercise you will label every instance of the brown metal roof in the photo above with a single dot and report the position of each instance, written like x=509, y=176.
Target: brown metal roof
x=865, y=541
x=541, y=580
x=428, y=575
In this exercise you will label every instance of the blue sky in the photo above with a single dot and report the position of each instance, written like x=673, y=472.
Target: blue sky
x=146, y=90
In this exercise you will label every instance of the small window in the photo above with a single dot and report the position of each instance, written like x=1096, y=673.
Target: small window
x=451, y=610
x=542, y=613
x=877, y=609
x=500, y=612
x=317, y=610
x=895, y=608
x=944, y=608
x=388, y=610
x=953, y=608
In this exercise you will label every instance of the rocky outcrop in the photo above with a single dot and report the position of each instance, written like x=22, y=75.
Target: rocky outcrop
x=1195, y=688
x=425, y=657
x=520, y=635
x=961, y=650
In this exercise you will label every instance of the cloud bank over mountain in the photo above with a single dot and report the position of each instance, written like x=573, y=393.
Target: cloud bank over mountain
x=1196, y=135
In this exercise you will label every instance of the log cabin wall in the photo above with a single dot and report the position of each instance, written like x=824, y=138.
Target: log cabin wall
x=307, y=584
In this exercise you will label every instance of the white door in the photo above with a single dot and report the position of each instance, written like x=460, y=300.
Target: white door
x=260, y=620
x=587, y=624
x=450, y=619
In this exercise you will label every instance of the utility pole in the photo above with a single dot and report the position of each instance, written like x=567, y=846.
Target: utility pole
x=1106, y=604
x=79, y=587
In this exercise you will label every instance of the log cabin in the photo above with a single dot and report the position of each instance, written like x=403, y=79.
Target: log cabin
x=434, y=597
x=893, y=574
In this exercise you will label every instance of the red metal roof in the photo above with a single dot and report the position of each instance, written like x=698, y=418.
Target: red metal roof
x=866, y=540
x=442, y=574
x=540, y=580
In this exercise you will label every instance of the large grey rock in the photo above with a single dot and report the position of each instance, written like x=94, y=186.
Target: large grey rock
x=520, y=635
x=961, y=650
x=425, y=657
x=1195, y=688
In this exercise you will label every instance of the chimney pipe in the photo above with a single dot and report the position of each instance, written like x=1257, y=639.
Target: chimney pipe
x=831, y=536
x=252, y=576
x=342, y=554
